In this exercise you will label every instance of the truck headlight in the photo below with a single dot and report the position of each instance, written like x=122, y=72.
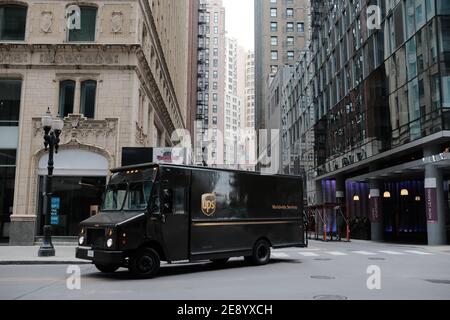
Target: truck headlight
x=109, y=243
x=81, y=240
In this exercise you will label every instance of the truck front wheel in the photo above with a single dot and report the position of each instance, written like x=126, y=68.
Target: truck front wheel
x=145, y=263
x=261, y=253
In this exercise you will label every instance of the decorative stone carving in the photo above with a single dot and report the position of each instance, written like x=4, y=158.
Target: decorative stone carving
x=141, y=137
x=46, y=21
x=79, y=130
x=117, y=22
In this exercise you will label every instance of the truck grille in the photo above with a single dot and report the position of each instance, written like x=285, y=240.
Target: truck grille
x=96, y=238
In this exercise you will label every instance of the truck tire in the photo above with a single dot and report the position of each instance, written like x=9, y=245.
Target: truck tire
x=261, y=253
x=145, y=263
x=106, y=268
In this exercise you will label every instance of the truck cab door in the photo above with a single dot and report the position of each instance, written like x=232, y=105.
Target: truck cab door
x=175, y=213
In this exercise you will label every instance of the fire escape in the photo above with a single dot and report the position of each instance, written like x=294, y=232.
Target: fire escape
x=203, y=82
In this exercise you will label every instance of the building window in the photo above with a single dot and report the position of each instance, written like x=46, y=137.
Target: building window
x=274, y=41
x=274, y=55
x=216, y=30
x=88, y=23
x=214, y=108
x=289, y=12
x=66, y=97
x=214, y=120
x=290, y=55
x=12, y=22
x=274, y=26
x=290, y=27
x=10, y=92
x=216, y=41
x=88, y=98
x=300, y=27
x=290, y=41
x=215, y=75
x=216, y=17
x=273, y=12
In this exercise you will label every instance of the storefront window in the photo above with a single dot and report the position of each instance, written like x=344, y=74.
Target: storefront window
x=74, y=200
x=7, y=178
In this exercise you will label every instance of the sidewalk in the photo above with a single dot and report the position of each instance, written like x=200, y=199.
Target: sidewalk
x=29, y=256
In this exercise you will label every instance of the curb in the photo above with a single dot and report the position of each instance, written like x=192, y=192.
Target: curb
x=37, y=263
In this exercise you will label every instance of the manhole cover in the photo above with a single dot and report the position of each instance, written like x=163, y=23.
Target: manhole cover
x=439, y=281
x=377, y=259
x=323, y=259
x=330, y=297
x=323, y=277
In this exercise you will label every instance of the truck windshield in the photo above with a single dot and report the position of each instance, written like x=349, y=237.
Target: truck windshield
x=127, y=196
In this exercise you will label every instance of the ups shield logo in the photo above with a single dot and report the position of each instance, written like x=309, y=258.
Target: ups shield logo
x=209, y=204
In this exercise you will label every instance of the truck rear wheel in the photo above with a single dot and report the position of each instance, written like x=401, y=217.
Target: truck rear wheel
x=145, y=263
x=106, y=268
x=261, y=253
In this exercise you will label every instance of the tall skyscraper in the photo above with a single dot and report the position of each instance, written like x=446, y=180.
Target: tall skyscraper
x=211, y=81
x=281, y=32
x=221, y=90
x=249, y=106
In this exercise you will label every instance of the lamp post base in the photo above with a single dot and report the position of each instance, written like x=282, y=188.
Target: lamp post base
x=47, y=249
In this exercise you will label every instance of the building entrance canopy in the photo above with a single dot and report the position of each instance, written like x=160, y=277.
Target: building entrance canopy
x=76, y=163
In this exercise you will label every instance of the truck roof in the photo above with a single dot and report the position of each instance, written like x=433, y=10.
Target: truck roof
x=200, y=168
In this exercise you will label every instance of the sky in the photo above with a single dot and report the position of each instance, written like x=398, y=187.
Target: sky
x=240, y=21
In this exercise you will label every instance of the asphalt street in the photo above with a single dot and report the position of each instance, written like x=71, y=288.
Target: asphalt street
x=323, y=271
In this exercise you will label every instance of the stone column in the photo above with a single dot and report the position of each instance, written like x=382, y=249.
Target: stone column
x=77, y=100
x=319, y=202
x=340, y=199
x=434, y=200
x=375, y=210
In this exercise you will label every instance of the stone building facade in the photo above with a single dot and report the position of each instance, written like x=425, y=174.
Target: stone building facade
x=120, y=79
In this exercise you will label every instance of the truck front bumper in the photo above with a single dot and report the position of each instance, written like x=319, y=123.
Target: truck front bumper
x=102, y=257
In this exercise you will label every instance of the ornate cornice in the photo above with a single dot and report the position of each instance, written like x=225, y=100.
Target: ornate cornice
x=161, y=58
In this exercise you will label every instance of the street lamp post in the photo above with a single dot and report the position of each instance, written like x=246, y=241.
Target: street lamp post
x=52, y=131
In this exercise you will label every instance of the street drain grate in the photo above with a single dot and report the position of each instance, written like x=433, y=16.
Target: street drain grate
x=330, y=297
x=323, y=277
x=439, y=281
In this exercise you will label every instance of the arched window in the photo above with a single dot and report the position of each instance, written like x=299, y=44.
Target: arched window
x=13, y=19
x=86, y=32
x=88, y=98
x=66, y=97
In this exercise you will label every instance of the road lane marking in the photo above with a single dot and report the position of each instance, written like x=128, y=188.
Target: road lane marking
x=337, y=253
x=418, y=252
x=364, y=253
x=308, y=254
x=394, y=253
x=280, y=255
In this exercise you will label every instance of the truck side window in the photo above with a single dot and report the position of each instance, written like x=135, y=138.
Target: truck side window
x=179, y=200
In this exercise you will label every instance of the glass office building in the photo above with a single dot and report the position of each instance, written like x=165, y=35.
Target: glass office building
x=374, y=92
